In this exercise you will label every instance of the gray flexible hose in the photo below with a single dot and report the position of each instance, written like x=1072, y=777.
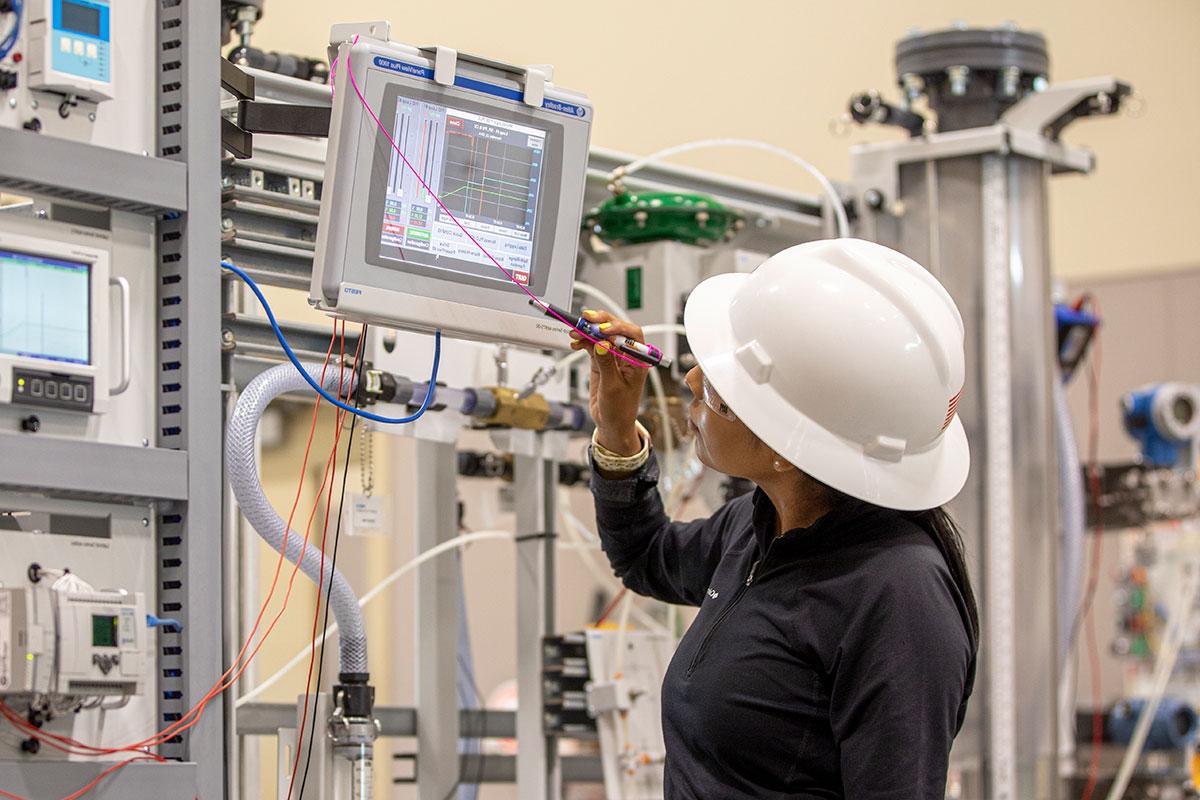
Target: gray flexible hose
x=242, y=465
x=1072, y=515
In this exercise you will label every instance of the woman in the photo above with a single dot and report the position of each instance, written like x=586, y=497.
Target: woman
x=834, y=650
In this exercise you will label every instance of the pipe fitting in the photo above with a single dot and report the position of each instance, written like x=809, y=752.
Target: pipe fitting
x=531, y=413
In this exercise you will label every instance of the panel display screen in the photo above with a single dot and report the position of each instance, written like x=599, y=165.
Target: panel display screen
x=487, y=173
x=81, y=18
x=104, y=630
x=45, y=308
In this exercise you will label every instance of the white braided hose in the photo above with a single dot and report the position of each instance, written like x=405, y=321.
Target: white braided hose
x=241, y=464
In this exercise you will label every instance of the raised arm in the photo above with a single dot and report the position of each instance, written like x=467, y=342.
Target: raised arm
x=666, y=560
x=669, y=561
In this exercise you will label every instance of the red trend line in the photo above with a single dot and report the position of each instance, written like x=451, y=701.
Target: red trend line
x=471, y=174
x=485, y=156
x=537, y=300
x=424, y=130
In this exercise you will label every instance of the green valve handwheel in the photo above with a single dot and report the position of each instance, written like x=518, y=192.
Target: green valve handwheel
x=662, y=216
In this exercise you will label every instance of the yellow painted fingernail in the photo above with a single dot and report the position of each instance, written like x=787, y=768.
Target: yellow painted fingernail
x=601, y=349
x=605, y=326
x=587, y=312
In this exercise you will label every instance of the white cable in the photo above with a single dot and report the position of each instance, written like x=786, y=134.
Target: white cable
x=600, y=297
x=599, y=573
x=587, y=535
x=1176, y=633
x=674, y=500
x=70, y=582
x=457, y=542
x=835, y=200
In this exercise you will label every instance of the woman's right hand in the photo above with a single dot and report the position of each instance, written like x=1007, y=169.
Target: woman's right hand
x=616, y=385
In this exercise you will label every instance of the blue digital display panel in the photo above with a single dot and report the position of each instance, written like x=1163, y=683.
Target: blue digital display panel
x=81, y=40
x=45, y=308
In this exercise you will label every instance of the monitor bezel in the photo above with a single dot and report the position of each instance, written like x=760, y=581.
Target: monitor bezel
x=347, y=286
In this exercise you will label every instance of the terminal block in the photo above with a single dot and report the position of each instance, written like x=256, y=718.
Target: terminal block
x=565, y=677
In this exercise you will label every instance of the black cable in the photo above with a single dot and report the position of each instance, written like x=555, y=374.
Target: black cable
x=337, y=532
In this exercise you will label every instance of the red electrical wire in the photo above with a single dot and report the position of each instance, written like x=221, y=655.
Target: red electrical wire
x=225, y=681
x=1094, y=570
x=320, y=575
x=610, y=607
x=192, y=717
x=60, y=743
x=182, y=725
x=275, y=620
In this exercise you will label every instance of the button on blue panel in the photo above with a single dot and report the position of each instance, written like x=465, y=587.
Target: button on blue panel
x=80, y=41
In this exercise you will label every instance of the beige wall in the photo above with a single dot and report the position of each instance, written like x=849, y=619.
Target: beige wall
x=663, y=71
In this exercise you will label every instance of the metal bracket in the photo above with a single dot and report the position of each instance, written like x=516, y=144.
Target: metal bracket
x=603, y=698
x=259, y=117
x=233, y=138
x=535, y=87
x=1049, y=112
x=876, y=167
x=344, y=32
x=445, y=65
x=533, y=78
x=283, y=118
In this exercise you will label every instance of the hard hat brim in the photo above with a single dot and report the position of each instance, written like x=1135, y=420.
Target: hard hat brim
x=916, y=481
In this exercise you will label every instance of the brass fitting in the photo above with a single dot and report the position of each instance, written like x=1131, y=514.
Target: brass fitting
x=531, y=413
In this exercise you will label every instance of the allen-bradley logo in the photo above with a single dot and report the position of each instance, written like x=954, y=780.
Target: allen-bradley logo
x=565, y=108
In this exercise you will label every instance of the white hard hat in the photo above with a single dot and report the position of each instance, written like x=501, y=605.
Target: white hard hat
x=845, y=358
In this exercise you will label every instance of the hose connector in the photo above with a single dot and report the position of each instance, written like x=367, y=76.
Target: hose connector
x=513, y=411
x=353, y=729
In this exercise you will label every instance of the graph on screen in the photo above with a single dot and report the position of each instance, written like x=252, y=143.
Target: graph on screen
x=471, y=182
x=488, y=180
x=44, y=308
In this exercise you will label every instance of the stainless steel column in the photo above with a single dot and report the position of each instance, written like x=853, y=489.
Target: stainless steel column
x=979, y=223
x=1035, y=524
x=436, y=520
x=538, y=769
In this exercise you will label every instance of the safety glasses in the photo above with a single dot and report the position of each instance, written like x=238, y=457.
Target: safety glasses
x=714, y=401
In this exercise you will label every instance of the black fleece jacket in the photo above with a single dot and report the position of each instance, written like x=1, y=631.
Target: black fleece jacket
x=834, y=661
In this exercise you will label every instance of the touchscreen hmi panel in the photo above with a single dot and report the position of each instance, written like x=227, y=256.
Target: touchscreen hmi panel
x=487, y=174
x=45, y=308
